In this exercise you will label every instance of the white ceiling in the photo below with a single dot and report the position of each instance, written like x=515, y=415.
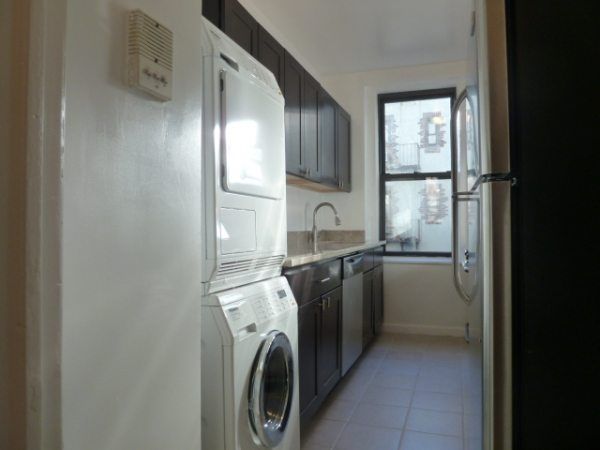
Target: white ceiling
x=339, y=36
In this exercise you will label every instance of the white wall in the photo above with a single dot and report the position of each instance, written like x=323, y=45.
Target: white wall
x=419, y=298
x=131, y=237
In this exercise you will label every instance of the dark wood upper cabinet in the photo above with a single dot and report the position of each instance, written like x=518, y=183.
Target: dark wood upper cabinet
x=327, y=137
x=271, y=55
x=213, y=10
x=310, y=128
x=240, y=26
x=343, y=149
x=293, y=80
x=317, y=129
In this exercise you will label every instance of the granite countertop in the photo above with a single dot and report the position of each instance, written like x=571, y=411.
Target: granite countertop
x=329, y=250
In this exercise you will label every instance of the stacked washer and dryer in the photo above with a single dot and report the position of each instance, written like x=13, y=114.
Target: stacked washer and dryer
x=249, y=314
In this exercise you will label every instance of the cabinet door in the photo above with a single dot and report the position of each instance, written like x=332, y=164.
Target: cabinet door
x=213, y=11
x=240, y=26
x=377, y=299
x=293, y=81
x=343, y=149
x=367, y=307
x=329, y=365
x=368, y=260
x=378, y=256
x=310, y=124
x=327, y=150
x=308, y=344
x=271, y=54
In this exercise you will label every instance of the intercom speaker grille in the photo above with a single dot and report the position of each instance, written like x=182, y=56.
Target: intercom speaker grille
x=149, y=55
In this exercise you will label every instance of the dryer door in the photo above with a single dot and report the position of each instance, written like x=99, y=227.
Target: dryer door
x=271, y=389
x=252, y=138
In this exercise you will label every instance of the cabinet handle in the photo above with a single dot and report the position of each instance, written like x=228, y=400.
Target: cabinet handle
x=323, y=305
x=324, y=280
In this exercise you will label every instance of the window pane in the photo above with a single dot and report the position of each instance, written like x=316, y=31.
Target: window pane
x=418, y=216
x=417, y=136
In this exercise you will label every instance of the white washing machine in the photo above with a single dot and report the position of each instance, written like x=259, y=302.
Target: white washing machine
x=250, y=368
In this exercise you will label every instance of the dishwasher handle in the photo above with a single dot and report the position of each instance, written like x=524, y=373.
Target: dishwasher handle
x=353, y=265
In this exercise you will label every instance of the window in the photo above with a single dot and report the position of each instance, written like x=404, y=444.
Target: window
x=415, y=172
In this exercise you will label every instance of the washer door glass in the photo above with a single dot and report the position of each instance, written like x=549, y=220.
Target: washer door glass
x=271, y=389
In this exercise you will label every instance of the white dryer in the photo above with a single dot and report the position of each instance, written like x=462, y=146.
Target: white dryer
x=249, y=368
x=243, y=142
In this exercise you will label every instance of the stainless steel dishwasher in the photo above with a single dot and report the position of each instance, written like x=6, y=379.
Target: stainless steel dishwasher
x=352, y=310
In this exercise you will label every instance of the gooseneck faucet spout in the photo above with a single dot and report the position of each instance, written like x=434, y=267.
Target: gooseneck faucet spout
x=338, y=222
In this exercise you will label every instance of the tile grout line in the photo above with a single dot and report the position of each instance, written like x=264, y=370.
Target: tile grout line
x=463, y=373
x=412, y=397
x=361, y=396
x=379, y=364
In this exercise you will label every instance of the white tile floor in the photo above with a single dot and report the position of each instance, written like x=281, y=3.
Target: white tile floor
x=405, y=393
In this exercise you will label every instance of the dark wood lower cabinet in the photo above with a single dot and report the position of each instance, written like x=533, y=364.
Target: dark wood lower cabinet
x=308, y=339
x=319, y=344
x=367, y=307
x=318, y=291
x=372, y=303
x=377, y=299
x=330, y=361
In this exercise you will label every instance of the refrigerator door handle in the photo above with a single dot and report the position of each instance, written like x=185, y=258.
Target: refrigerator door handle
x=493, y=177
x=466, y=195
x=466, y=264
x=457, y=197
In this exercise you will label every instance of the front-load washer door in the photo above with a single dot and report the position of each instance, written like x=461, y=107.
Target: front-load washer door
x=271, y=389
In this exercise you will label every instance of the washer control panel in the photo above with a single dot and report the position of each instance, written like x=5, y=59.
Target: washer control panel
x=272, y=304
x=246, y=307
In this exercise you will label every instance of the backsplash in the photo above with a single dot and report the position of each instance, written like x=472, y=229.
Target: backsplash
x=300, y=240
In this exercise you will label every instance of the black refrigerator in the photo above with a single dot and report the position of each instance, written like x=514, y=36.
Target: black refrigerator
x=552, y=49
x=525, y=214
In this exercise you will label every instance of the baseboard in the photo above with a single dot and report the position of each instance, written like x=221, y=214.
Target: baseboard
x=427, y=330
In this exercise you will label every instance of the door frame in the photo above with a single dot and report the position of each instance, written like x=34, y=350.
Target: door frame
x=35, y=78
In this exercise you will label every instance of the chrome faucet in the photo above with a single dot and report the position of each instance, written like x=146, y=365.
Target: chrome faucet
x=338, y=222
